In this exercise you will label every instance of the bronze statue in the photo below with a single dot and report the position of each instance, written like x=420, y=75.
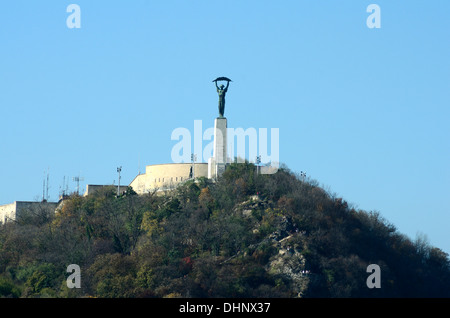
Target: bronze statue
x=222, y=90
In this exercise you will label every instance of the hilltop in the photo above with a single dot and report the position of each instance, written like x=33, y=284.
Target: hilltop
x=246, y=235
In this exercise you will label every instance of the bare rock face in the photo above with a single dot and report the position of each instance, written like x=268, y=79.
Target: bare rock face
x=288, y=260
x=290, y=263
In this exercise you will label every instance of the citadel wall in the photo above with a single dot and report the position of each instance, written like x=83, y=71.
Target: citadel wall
x=10, y=212
x=167, y=176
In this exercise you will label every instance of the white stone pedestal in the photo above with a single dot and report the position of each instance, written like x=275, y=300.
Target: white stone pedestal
x=216, y=164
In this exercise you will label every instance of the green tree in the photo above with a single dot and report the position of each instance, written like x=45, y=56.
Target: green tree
x=8, y=289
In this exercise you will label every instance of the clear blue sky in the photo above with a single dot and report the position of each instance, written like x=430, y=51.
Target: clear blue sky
x=363, y=111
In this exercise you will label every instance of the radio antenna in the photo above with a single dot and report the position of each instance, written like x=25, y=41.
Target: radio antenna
x=77, y=180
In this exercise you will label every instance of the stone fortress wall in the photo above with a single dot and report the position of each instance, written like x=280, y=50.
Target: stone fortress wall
x=92, y=188
x=164, y=177
x=10, y=212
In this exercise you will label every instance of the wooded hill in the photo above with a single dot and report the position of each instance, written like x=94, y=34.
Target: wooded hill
x=246, y=235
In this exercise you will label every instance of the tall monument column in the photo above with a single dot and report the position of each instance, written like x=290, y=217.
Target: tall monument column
x=216, y=164
x=220, y=145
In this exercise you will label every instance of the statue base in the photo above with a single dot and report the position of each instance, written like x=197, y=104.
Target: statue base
x=216, y=164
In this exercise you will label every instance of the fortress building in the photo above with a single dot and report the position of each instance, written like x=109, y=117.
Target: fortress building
x=163, y=177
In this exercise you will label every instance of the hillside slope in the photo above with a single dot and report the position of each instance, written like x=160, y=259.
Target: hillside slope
x=246, y=235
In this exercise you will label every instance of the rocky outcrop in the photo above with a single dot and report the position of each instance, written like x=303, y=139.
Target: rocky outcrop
x=290, y=263
x=288, y=260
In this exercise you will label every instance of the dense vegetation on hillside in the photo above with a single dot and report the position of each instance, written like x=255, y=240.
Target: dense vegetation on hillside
x=246, y=235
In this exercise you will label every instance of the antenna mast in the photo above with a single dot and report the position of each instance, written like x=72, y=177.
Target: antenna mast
x=48, y=174
x=119, y=169
x=64, y=188
x=77, y=180
x=45, y=187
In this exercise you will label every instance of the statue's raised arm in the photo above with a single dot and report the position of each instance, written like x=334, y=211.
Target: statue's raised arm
x=222, y=78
